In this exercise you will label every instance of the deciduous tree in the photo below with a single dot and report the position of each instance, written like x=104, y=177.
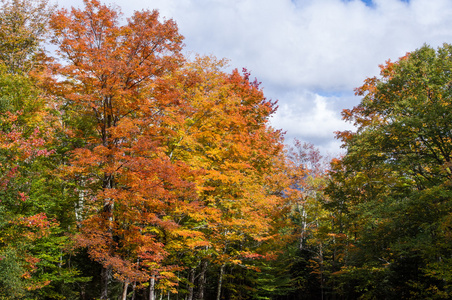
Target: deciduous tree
x=23, y=29
x=115, y=78
x=226, y=137
x=394, y=180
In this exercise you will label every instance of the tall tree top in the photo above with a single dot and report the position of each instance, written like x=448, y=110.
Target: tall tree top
x=23, y=28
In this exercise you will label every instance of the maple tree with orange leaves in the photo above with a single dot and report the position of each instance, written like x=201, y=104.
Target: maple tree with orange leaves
x=226, y=137
x=165, y=142
x=113, y=76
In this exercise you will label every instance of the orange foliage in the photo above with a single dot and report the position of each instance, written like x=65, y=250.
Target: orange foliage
x=180, y=155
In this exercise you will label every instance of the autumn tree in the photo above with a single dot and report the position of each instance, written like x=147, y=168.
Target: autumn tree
x=161, y=165
x=225, y=136
x=115, y=84
x=23, y=29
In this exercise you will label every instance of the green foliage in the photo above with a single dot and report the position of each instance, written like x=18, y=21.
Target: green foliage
x=11, y=283
x=32, y=201
x=394, y=182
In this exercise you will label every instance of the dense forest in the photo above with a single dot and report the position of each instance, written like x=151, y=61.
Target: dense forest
x=129, y=171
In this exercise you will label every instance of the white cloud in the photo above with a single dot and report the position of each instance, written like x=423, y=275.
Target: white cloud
x=323, y=44
x=310, y=118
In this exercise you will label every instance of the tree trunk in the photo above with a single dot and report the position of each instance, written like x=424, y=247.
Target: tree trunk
x=104, y=281
x=152, y=288
x=124, y=292
x=108, y=208
x=202, y=280
x=191, y=283
x=134, y=287
x=220, y=281
x=322, y=292
x=304, y=217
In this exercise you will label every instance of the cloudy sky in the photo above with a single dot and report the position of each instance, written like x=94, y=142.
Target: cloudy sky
x=308, y=54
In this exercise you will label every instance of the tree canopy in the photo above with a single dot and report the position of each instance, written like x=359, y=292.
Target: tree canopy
x=130, y=171
x=394, y=181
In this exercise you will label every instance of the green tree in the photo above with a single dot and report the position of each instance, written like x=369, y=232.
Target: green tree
x=34, y=261
x=394, y=182
x=32, y=206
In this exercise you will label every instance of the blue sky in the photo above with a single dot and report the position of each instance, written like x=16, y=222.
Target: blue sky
x=367, y=2
x=308, y=54
x=371, y=3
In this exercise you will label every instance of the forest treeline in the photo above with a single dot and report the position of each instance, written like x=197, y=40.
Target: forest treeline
x=130, y=171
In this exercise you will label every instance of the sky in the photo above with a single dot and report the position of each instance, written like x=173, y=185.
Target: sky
x=310, y=55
